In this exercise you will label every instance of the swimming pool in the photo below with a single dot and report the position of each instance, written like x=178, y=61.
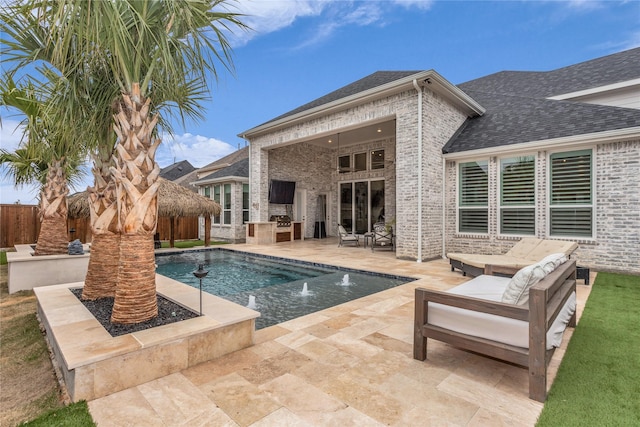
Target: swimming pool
x=276, y=285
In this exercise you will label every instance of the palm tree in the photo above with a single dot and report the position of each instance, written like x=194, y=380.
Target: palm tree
x=45, y=157
x=160, y=54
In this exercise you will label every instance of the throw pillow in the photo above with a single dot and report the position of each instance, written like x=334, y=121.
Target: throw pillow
x=551, y=262
x=517, y=291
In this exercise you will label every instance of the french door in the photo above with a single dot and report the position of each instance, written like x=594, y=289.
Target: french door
x=361, y=205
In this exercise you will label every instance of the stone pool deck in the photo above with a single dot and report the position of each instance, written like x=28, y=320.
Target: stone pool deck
x=348, y=365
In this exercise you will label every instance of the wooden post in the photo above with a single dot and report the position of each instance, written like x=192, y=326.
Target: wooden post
x=538, y=344
x=419, y=319
x=172, y=226
x=207, y=230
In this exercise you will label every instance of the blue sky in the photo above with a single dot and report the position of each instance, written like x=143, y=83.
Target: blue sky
x=301, y=50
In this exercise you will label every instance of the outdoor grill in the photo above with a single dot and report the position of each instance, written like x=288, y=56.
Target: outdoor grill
x=282, y=220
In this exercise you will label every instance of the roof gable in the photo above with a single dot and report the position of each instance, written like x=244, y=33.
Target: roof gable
x=239, y=169
x=371, y=81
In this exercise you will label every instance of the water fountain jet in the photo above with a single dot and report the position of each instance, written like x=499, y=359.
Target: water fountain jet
x=252, y=302
x=305, y=291
x=345, y=280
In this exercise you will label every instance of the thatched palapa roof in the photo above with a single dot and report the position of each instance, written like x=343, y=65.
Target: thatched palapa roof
x=173, y=201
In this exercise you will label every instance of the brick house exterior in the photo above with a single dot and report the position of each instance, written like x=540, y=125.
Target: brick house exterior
x=227, y=184
x=534, y=118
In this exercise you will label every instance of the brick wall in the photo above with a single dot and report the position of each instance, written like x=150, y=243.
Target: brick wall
x=617, y=194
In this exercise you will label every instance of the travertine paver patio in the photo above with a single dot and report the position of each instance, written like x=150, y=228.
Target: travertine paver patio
x=347, y=365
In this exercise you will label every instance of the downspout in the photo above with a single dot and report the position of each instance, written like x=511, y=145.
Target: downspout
x=444, y=209
x=419, y=89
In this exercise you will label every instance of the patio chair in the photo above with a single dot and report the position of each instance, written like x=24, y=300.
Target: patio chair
x=346, y=237
x=157, y=244
x=382, y=236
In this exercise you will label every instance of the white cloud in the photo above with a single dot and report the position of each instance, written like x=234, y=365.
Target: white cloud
x=265, y=17
x=11, y=133
x=420, y=4
x=197, y=149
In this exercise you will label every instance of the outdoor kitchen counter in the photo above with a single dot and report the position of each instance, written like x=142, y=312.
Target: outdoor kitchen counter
x=268, y=232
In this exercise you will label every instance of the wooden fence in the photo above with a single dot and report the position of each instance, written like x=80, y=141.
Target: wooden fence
x=21, y=224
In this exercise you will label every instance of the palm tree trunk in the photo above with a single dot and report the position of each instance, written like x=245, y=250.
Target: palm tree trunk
x=136, y=174
x=102, y=274
x=135, y=297
x=53, y=239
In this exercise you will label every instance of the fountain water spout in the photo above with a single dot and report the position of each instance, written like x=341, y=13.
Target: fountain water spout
x=305, y=291
x=252, y=302
x=345, y=280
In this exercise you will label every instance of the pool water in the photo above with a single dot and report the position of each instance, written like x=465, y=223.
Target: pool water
x=276, y=284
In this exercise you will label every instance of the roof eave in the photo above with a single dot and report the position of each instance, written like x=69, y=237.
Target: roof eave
x=573, y=141
x=423, y=78
x=231, y=178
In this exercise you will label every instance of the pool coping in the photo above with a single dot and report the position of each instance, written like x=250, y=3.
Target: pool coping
x=294, y=261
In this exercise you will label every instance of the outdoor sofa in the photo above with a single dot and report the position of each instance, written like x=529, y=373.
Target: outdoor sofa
x=519, y=320
x=527, y=251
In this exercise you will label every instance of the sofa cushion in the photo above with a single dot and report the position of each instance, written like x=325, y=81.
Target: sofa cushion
x=517, y=291
x=490, y=326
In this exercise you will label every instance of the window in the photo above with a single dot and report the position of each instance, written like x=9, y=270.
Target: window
x=216, y=198
x=226, y=206
x=207, y=192
x=473, y=211
x=517, y=196
x=571, y=198
x=245, y=203
x=360, y=162
x=344, y=164
x=377, y=159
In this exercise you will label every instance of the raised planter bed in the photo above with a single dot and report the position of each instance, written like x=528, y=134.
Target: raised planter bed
x=26, y=271
x=94, y=364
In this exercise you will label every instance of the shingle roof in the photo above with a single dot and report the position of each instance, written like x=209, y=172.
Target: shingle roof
x=176, y=170
x=238, y=169
x=371, y=81
x=615, y=68
x=229, y=159
x=517, y=109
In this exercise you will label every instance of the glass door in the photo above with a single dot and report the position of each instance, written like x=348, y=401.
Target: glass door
x=346, y=205
x=361, y=205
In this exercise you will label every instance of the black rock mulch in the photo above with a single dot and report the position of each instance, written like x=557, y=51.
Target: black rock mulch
x=168, y=312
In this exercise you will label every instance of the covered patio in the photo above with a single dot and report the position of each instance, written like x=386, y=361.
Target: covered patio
x=351, y=364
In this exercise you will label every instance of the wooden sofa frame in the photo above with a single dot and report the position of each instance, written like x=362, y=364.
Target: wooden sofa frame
x=546, y=299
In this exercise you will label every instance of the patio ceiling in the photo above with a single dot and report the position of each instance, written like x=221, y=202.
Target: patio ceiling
x=351, y=136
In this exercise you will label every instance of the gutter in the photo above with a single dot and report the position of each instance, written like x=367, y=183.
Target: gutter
x=419, y=89
x=572, y=141
x=444, y=209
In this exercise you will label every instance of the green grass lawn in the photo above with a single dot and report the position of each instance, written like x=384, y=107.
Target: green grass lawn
x=598, y=382
x=74, y=415
x=3, y=257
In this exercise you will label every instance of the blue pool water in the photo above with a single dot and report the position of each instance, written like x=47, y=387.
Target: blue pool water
x=276, y=283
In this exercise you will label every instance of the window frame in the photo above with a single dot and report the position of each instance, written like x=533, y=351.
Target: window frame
x=245, y=203
x=460, y=208
x=355, y=161
x=591, y=204
x=516, y=207
x=227, y=207
x=217, y=199
x=376, y=164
